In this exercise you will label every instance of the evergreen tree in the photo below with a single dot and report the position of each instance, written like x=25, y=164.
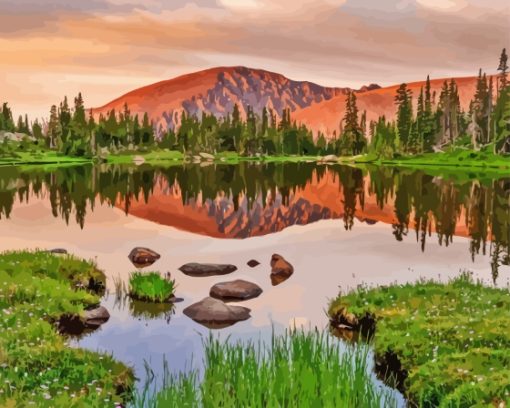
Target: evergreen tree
x=503, y=67
x=403, y=101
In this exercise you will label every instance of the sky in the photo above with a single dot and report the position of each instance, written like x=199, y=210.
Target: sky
x=105, y=48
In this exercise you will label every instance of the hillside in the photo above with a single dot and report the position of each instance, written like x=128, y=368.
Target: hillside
x=326, y=116
x=216, y=91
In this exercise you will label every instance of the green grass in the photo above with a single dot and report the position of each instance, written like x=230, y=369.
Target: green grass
x=452, y=339
x=453, y=158
x=151, y=157
x=36, y=366
x=306, y=369
x=150, y=287
x=40, y=158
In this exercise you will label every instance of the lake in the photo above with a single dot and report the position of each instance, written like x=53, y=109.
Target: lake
x=339, y=227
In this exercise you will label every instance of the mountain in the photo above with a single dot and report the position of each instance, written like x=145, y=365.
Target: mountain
x=326, y=116
x=216, y=91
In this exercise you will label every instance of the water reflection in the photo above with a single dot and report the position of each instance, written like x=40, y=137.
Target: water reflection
x=244, y=200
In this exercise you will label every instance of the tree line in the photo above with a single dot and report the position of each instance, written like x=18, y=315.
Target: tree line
x=435, y=125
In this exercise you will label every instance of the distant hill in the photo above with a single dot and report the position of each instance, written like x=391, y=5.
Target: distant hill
x=216, y=91
x=326, y=116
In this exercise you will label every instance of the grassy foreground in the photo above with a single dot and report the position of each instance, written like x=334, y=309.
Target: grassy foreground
x=305, y=369
x=452, y=339
x=37, y=368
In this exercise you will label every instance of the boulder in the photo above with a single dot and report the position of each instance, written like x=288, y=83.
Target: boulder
x=206, y=156
x=142, y=257
x=253, y=263
x=213, y=313
x=329, y=158
x=96, y=317
x=281, y=270
x=206, y=269
x=237, y=290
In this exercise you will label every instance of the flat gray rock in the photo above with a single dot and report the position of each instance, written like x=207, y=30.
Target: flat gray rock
x=214, y=313
x=205, y=269
x=236, y=290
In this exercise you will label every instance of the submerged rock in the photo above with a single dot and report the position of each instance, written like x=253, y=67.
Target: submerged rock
x=236, y=290
x=253, y=263
x=281, y=270
x=143, y=257
x=213, y=313
x=206, y=269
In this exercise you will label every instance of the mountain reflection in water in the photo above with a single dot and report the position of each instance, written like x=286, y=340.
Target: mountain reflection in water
x=247, y=199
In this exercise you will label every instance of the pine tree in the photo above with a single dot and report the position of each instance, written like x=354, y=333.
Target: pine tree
x=503, y=67
x=404, y=114
x=54, y=129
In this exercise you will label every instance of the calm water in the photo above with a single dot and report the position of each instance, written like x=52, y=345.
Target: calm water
x=339, y=226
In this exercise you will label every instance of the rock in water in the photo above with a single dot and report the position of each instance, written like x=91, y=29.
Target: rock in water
x=253, y=263
x=138, y=160
x=202, y=270
x=206, y=156
x=329, y=158
x=142, y=257
x=237, y=290
x=213, y=313
x=96, y=317
x=281, y=270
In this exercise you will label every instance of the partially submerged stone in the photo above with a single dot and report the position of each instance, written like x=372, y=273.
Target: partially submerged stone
x=281, y=270
x=143, y=257
x=206, y=269
x=252, y=263
x=214, y=313
x=236, y=290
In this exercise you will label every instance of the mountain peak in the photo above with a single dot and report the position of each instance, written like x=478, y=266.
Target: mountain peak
x=216, y=91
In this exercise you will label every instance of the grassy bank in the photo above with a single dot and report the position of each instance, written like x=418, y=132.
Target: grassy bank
x=36, y=365
x=455, y=158
x=451, y=339
x=40, y=158
x=305, y=369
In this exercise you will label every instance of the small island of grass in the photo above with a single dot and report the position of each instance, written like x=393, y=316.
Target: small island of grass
x=449, y=342
x=151, y=287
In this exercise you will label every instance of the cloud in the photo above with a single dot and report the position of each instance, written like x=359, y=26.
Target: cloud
x=333, y=42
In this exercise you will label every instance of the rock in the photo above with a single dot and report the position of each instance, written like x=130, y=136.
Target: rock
x=281, y=270
x=142, y=257
x=235, y=290
x=329, y=158
x=202, y=270
x=206, y=156
x=60, y=251
x=96, y=317
x=138, y=160
x=213, y=313
x=253, y=263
